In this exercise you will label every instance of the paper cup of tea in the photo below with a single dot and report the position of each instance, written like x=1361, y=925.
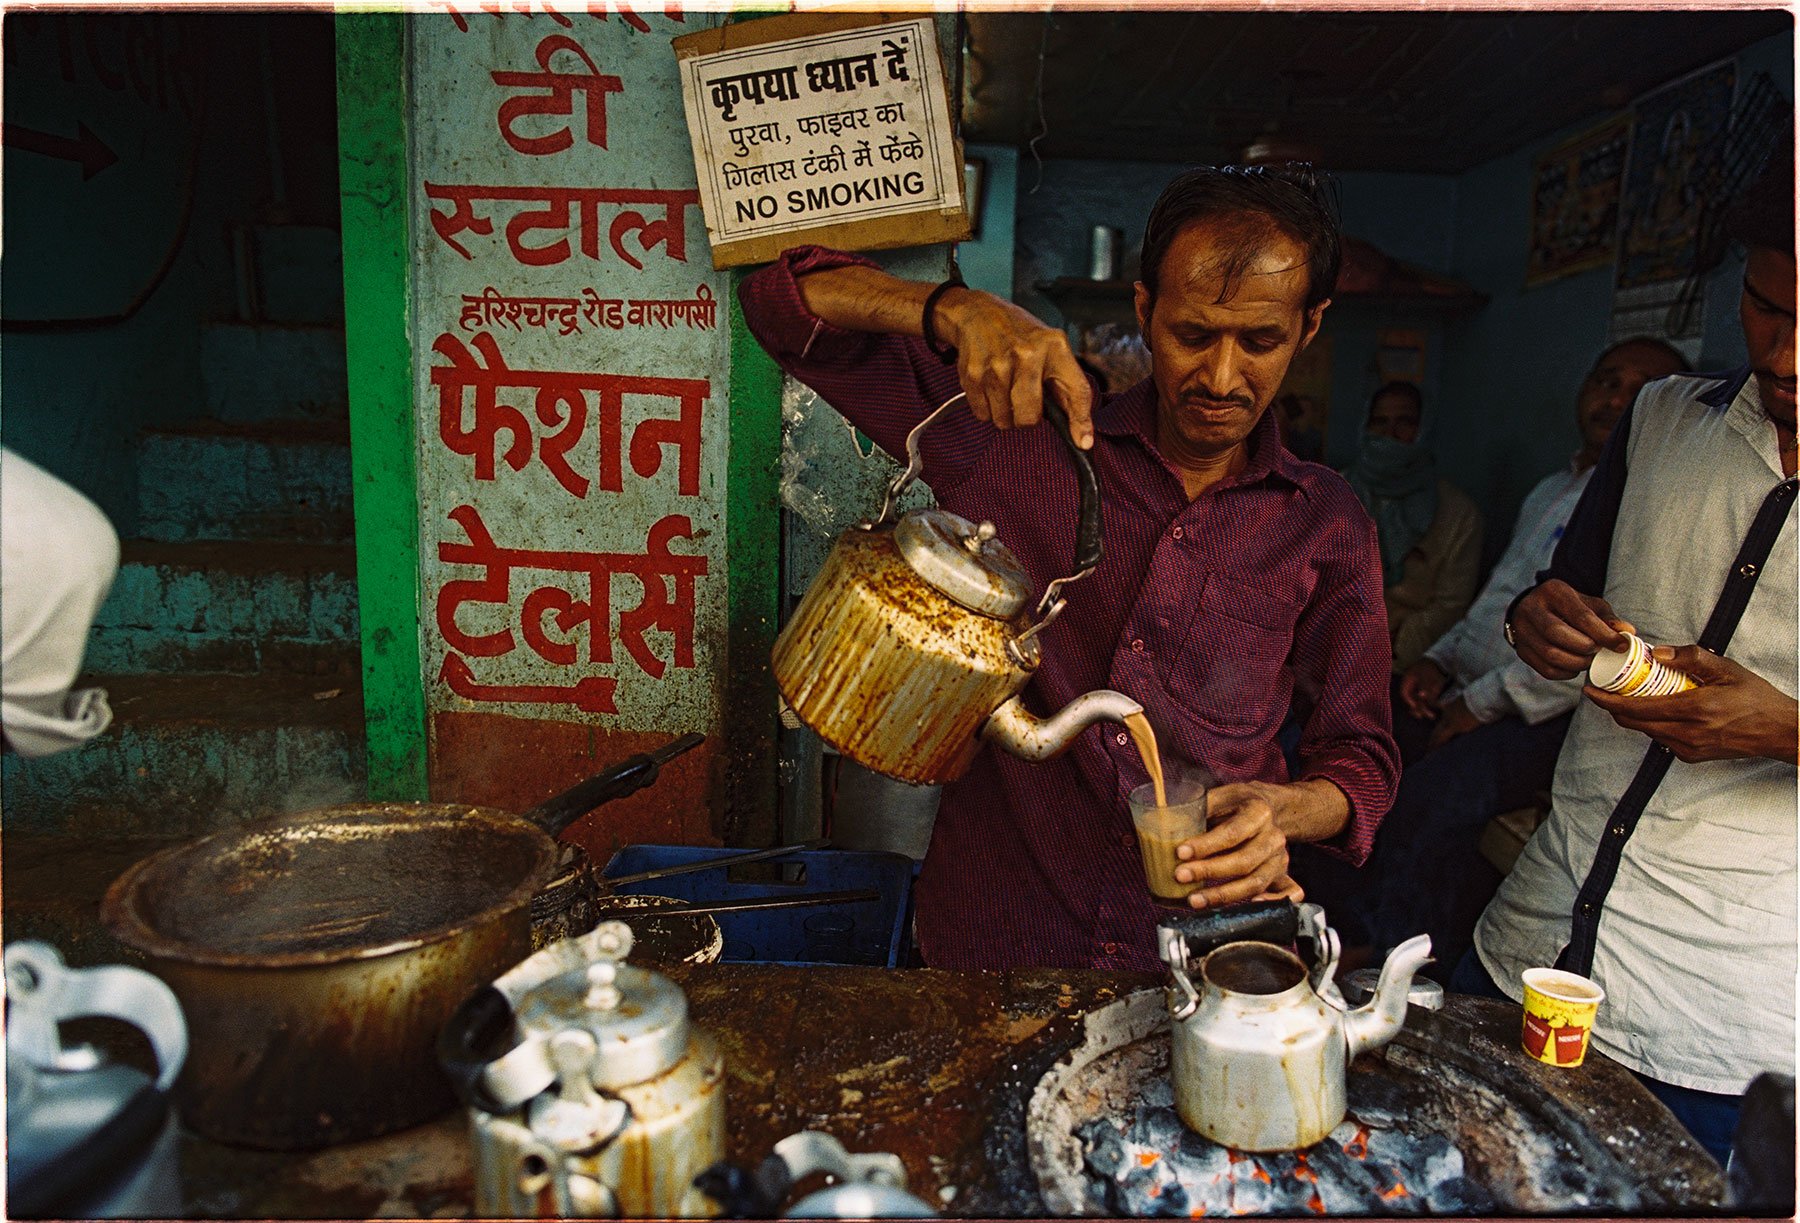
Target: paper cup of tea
x=1160, y=830
x=1633, y=672
x=1559, y=1015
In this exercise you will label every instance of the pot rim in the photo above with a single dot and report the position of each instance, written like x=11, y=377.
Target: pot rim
x=122, y=914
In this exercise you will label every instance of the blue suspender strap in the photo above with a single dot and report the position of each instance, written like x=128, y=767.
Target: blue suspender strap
x=1584, y=926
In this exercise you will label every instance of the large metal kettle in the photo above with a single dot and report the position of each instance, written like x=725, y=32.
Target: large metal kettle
x=1261, y=1039
x=911, y=646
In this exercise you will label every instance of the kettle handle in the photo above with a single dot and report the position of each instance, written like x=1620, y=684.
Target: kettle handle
x=1087, y=482
x=1269, y=921
x=915, y=462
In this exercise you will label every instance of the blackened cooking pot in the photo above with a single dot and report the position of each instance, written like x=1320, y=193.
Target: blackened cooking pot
x=317, y=956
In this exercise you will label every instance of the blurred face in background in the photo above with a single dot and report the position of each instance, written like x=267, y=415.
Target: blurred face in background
x=1395, y=414
x=1611, y=387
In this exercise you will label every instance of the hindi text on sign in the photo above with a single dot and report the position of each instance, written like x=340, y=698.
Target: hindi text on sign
x=558, y=203
x=562, y=401
x=559, y=98
x=667, y=580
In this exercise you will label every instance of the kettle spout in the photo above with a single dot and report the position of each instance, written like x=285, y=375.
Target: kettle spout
x=1376, y=1022
x=1030, y=737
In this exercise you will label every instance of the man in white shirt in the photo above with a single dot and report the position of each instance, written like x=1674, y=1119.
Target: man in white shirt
x=58, y=555
x=1685, y=901
x=1479, y=729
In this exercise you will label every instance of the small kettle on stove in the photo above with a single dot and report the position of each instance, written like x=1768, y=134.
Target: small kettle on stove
x=911, y=646
x=1260, y=1037
x=590, y=1093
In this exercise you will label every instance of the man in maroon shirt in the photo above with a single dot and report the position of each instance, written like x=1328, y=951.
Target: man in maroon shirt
x=1234, y=573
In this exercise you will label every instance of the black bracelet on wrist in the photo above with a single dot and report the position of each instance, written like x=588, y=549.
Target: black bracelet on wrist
x=944, y=352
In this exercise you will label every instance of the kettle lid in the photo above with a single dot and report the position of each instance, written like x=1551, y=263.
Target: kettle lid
x=964, y=562
x=638, y=1018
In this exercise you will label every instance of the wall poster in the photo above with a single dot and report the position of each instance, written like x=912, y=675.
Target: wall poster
x=1674, y=166
x=1575, y=203
x=814, y=128
x=571, y=351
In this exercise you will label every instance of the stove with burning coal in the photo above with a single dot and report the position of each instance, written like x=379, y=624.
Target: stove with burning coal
x=1449, y=1119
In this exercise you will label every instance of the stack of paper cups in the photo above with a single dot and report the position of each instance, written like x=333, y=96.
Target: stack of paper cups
x=1633, y=672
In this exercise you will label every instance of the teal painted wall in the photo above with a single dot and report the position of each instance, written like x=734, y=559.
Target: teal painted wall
x=147, y=85
x=987, y=260
x=1511, y=371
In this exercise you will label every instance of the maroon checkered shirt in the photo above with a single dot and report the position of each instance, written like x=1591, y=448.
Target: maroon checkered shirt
x=1209, y=613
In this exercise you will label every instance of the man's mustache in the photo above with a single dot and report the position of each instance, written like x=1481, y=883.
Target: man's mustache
x=1209, y=401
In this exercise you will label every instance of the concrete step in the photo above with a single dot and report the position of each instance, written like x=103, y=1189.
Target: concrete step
x=228, y=606
x=216, y=479
x=299, y=272
x=190, y=754
x=273, y=371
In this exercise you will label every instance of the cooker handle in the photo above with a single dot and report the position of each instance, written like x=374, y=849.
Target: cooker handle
x=466, y=1043
x=557, y=813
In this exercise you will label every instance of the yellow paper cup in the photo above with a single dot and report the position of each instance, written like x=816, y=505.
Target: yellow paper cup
x=1633, y=672
x=1559, y=1015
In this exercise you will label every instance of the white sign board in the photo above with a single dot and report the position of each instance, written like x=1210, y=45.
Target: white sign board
x=571, y=352
x=840, y=135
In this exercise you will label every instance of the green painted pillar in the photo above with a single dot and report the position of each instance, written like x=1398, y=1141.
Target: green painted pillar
x=372, y=175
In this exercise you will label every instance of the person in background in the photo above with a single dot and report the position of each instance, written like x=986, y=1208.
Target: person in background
x=1486, y=725
x=1232, y=571
x=1430, y=531
x=58, y=557
x=1684, y=901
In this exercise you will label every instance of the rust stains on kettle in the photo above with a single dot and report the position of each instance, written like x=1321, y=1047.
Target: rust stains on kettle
x=889, y=671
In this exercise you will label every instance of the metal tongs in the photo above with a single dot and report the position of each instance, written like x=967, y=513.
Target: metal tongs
x=609, y=887
x=665, y=872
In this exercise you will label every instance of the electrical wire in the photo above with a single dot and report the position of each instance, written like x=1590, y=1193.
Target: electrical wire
x=1043, y=123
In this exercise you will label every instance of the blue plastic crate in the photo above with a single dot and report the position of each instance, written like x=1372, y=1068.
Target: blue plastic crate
x=871, y=932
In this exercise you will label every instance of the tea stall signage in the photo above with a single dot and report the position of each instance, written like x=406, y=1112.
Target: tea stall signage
x=571, y=349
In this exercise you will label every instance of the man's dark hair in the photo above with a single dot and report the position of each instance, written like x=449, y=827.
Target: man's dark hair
x=1645, y=341
x=1399, y=387
x=1291, y=199
x=1764, y=214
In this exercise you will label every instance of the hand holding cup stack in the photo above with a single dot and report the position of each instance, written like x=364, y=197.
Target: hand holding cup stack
x=1634, y=672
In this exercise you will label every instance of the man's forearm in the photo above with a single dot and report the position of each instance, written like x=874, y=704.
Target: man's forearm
x=859, y=298
x=1312, y=810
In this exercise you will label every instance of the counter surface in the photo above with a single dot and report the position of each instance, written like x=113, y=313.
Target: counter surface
x=882, y=1059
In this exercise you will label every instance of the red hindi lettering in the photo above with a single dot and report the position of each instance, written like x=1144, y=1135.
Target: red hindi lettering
x=561, y=402
x=648, y=439
x=668, y=580
x=594, y=694
x=554, y=213
x=671, y=612
x=559, y=100
x=461, y=217
x=571, y=396
x=490, y=417
x=491, y=587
